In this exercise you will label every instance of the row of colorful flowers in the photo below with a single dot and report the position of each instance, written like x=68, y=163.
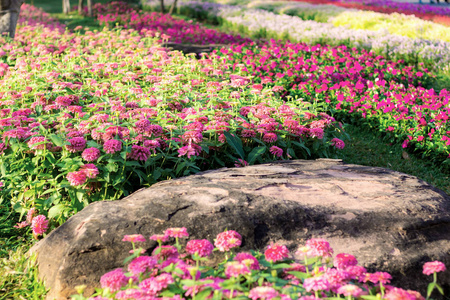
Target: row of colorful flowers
x=261, y=23
x=96, y=116
x=358, y=86
x=172, y=272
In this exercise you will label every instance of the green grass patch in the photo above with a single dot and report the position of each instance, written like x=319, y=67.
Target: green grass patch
x=370, y=148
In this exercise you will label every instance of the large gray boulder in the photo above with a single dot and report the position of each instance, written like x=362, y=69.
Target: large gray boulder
x=390, y=221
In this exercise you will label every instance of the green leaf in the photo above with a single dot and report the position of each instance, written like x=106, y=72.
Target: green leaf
x=440, y=289
x=236, y=143
x=157, y=174
x=299, y=275
x=132, y=163
x=370, y=297
x=281, y=266
x=253, y=155
x=112, y=167
x=57, y=140
x=203, y=294
x=301, y=145
x=430, y=289
x=56, y=211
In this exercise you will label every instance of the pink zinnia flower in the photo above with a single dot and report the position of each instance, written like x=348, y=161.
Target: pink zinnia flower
x=90, y=154
x=235, y=269
x=139, y=153
x=133, y=238
x=112, y=146
x=90, y=170
x=159, y=238
x=318, y=283
x=248, y=259
x=379, y=277
x=270, y=137
x=355, y=272
x=165, y=252
x=433, y=267
x=318, y=247
x=114, y=280
x=142, y=264
x=76, y=178
x=76, y=144
x=153, y=285
x=39, y=225
x=339, y=144
x=203, y=248
x=35, y=140
x=176, y=232
x=192, y=137
x=227, y=240
x=276, y=252
x=316, y=133
x=129, y=294
x=189, y=150
x=21, y=224
x=350, y=290
x=399, y=294
x=240, y=163
x=262, y=292
x=277, y=151
x=344, y=260
x=30, y=214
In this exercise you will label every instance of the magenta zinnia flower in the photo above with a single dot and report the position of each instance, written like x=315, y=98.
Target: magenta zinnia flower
x=139, y=153
x=319, y=247
x=248, y=259
x=76, y=144
x=339, y=144
x=38, y=139
x=133, y=238
x=90, y=170
x=142, y=264
x=39, y=225
x=114, y=280
x=76, y=178
x=399, y=294
x=90, y=154
x=153, y=285
x=176, y=232
x=318, y=283
x=276, y=252
x=350, y=290
x=227, y=240
x=159, y=238
x=203, y=248
x=112, y=146
x=433, y=267
x=262, y=292
x=277, y=151
x=344, y=260
x=235, y=269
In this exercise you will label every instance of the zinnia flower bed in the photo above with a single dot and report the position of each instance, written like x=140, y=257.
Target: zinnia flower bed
x=177, y=272
x=97, y=116
x=264, y=24
x=355, y=85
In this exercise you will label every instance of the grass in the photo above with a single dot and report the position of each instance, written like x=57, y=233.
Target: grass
x=371, y=148
x=18, y=272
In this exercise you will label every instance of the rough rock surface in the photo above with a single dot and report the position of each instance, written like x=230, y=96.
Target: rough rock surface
x=389, y=220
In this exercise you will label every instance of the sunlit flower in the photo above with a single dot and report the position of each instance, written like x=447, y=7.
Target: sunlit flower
x=433, y=267
x=202, y=248
x=114, y=280
x=262, y=292
x=39, y=225
x=76, y=178
x=228, y=240
x=276, y=252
